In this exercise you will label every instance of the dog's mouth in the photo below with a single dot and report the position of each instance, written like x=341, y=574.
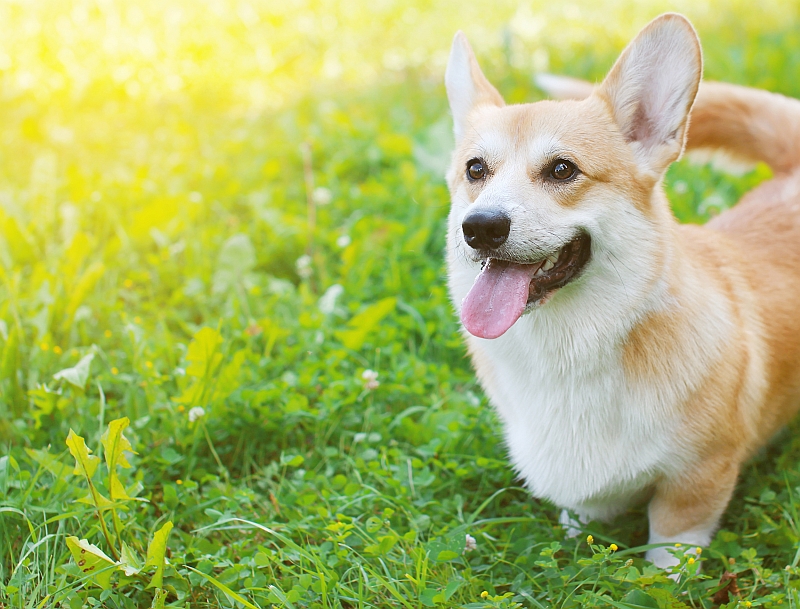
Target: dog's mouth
x=504, y=289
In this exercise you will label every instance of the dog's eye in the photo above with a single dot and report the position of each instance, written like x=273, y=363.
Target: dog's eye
x=476, y=169
x=562, y=170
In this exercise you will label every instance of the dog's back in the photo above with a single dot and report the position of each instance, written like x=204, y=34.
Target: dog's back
x=752, y=125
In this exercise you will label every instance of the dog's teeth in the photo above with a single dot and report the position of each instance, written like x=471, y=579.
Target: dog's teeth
x=539, y=271
x=548, y=264
x=554, y=257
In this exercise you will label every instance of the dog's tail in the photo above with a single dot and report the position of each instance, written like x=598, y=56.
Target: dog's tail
x=745, y=125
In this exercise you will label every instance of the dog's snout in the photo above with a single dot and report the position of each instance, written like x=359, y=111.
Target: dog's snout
x=486, y=229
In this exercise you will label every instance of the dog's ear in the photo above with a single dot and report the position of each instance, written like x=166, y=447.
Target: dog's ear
x=651, y=88
x=467, y=87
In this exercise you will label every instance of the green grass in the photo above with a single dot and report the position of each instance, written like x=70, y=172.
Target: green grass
x=154, y=224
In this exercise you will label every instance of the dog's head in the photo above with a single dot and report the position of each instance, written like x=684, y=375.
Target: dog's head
x=556, y=193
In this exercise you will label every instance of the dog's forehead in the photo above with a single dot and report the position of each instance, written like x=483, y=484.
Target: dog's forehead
x=530, y=134
x=526, y=125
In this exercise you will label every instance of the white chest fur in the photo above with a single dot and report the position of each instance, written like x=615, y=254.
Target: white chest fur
x=579, y=432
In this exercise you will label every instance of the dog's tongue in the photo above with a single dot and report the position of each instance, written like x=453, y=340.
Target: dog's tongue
x=497, y=298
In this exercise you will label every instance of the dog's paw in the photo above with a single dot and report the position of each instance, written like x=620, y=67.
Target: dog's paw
x=572, y=527
x=663, y=558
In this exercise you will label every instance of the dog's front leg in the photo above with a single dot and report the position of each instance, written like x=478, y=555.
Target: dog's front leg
x=572, y=526
x=687, y=509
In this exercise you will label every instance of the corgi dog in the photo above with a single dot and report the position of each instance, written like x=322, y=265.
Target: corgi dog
x=630, y=358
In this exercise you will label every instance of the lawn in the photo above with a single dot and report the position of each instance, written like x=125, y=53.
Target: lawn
x=221, y=272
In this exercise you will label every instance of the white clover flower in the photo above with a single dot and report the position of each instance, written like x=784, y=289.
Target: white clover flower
x=196, y=413
x=370, y=378
x=471, y=544
x=343, y=241
x=303, y=266
x=327, y=303
x=713, y=204
x=322, y=195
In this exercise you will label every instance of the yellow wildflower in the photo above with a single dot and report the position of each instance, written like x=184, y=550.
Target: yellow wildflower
x=484, y=594
x=108, y=333
x=613, y=547
x=115, y=370
x=589, y=539
x=57, y=350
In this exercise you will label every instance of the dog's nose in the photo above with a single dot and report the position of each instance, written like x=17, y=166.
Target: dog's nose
x=486, y=229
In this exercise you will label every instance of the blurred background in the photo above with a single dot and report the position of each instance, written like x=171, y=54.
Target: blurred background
x=137, y=137
x=273, y=172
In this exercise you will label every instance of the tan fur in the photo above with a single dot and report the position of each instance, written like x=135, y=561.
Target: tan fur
x=751, y=254
x=727, y=327
x=725, y=117
x=765, y=227
x=742, y=122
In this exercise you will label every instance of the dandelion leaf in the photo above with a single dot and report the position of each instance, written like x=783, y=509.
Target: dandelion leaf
x=45, y=401
x=228, y=378
x=115, y=445
x=97, y=500
x=129, y=561
x=203, y=353
x=155, y=555
x=85, y=463
x=92, y=561
x=50, y=463
x=159, y=599
x=78, y=374
x=204, y=361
